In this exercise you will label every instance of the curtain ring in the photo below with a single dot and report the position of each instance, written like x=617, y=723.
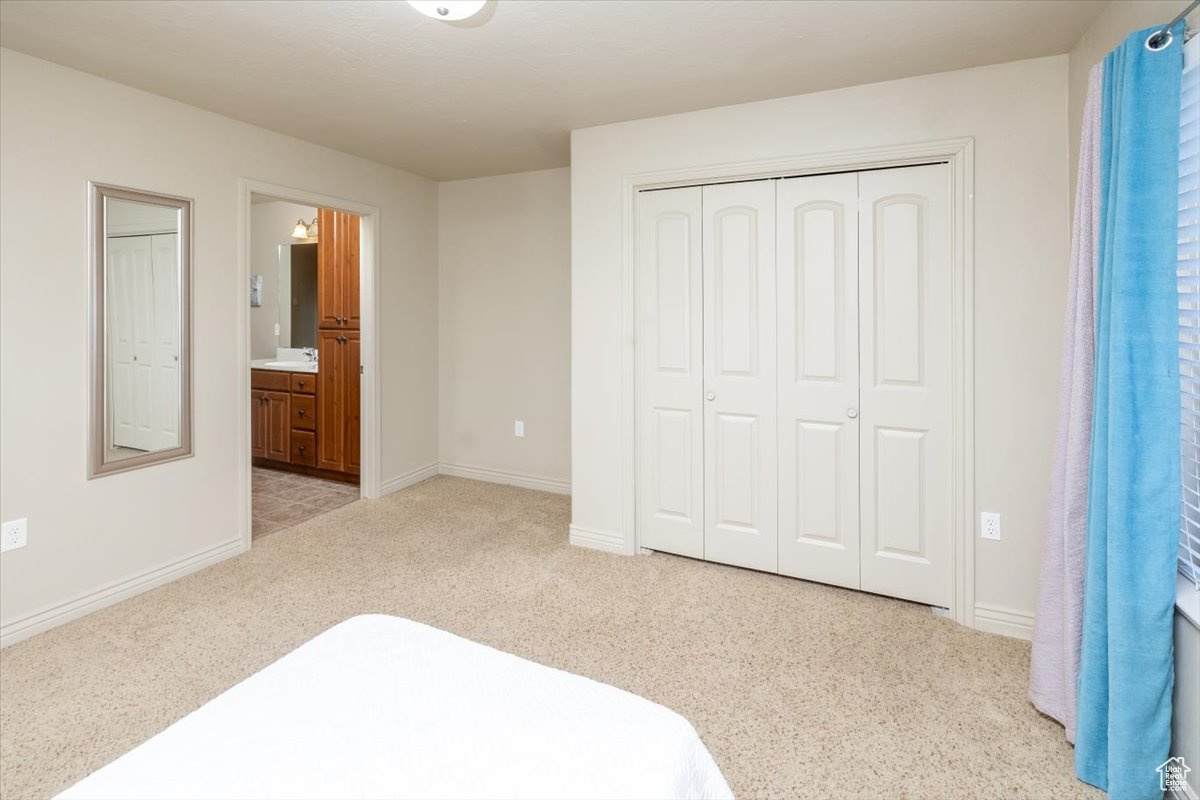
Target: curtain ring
x=1159, y=40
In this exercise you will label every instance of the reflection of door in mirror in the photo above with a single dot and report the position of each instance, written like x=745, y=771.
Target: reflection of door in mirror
x=144, y=327
x=298, y=295
x=140, y=365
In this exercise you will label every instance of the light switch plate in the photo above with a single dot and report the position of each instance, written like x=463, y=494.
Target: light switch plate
x=989, y=525
x=14, y=534
x=519, y=428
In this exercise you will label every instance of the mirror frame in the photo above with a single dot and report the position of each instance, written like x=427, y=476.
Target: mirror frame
x=98, y=403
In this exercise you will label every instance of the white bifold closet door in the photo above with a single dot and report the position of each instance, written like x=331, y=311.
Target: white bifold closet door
x=794, y=377
x=741, y=517
x=818, y=305
x=905, y=374
x=670, y=376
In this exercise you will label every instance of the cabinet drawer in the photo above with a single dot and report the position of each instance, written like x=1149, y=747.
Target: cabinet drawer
x=304, y=448
x=270, y=380
x=304, y=412
x=303, y=383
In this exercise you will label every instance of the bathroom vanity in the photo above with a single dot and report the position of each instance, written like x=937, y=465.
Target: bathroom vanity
x=283, y=416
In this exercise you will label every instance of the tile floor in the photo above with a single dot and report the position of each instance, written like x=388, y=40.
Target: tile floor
x=283, y=499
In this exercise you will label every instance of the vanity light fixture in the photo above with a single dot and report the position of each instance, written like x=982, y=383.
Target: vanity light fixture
x=449, y=10
x=305, y=230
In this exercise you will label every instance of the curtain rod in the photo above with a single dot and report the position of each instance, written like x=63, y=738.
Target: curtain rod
x=1161, y=38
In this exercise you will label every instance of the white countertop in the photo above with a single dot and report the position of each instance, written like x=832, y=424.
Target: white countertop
x=284, y=366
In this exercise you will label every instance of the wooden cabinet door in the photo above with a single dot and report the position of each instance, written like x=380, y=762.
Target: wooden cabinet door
x=329, y=278
x=258, y=424
x=331, y=400
x=278, y=424
x=353, y=361
x=349, y=264
x=337, y=270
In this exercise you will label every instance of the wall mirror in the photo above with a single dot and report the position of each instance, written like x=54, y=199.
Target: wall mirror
x=140, y=305
x=298, y=295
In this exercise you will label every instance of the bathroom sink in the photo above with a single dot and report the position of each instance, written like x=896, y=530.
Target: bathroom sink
x=296, y=365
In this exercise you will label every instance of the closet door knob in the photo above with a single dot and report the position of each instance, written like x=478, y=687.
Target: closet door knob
x=851, y=412
x=710, y=396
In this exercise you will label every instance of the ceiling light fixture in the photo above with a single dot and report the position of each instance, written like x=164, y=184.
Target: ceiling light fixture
x=449, y=10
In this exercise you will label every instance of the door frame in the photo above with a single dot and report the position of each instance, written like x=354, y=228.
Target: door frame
x=370, y=400
x=959, y=155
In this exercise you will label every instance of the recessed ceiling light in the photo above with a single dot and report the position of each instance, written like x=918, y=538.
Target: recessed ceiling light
x=449, y=10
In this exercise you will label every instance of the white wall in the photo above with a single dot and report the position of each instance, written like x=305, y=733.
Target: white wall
x=504, y=299
x=62, y=128
x=271, y=225
x=1017, y=114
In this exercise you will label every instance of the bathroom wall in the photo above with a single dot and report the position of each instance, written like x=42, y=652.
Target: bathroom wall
x=271, y=225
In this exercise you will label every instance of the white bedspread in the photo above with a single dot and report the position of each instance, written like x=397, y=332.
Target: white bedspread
x=384, y=707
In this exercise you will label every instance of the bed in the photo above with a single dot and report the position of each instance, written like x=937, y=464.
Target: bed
x=383, y=707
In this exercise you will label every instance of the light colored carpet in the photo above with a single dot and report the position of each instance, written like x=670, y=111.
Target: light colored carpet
x=799, y=690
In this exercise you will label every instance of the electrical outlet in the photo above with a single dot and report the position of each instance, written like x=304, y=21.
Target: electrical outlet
x=989, y=525
x=14, y=534
x=519, y=428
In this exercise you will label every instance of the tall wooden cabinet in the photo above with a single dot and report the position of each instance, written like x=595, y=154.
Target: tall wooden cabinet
x=337, y=270
x=338, y=343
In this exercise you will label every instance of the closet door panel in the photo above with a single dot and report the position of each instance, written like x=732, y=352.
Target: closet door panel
x=906, y=373
x=740, y=450
x=670, y=445
x=817, y=225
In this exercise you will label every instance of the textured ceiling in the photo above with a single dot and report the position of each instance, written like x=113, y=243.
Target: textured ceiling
x=499, y=92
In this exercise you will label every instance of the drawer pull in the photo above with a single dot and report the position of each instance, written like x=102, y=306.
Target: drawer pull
x=301, y=412
x=301, y=448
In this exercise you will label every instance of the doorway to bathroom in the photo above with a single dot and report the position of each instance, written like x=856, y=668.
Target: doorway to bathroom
x=309, y=264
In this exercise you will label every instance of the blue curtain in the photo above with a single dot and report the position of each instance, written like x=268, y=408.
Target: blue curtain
x=1126, y=668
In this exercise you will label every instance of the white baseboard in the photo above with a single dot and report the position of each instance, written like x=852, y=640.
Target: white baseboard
x=597, y=540
x=509, y=478
x=410, y=478
x=24, y=627
x=1004, y=621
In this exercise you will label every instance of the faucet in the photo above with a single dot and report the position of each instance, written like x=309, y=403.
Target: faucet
x=310, y=353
